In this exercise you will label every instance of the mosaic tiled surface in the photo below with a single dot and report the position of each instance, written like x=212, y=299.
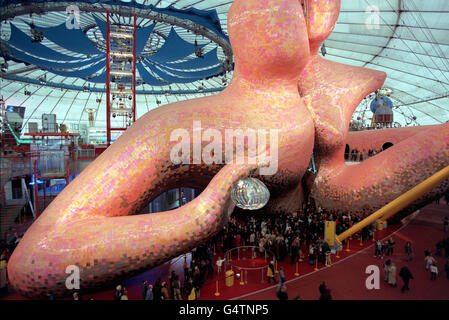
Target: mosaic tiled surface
x=332, y=91
x=92, y=225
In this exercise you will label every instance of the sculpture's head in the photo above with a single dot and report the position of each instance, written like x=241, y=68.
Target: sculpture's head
x=321, y=17
x=268, y=37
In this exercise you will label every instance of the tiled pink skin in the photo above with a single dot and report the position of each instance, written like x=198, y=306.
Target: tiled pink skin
x=91, y=223
x=332, y=91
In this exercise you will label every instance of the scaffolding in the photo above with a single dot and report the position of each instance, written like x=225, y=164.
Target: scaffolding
x=51, y=157
x=120, y=76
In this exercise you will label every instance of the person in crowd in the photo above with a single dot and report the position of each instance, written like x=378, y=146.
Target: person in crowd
x=157, y=290
x=281, y=275
x=118, y=292
x=149, y=293
x=197, y=282
x=171, y=278
x=188, y=287
x=387, y=266
x=144, y=287
x=177, y=288
x=271, y=273
x=219, y=263
x=124, y=295
x=281, y=292
x=392, y=275
x=328, y=258
x=383, y=249
x=429, y=259
x=164, y=291
x=325, y=293
x=390, y=246
x=377, y=249
x=433, y=271
x=186, y=271
x=210, y=270
x=408, y=251
x=406, y=276
x=446, y=247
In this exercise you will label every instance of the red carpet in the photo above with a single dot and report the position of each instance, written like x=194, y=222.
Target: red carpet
x=346, y=277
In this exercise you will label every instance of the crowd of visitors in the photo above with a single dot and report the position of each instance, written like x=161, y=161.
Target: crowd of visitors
x=288, y=238
x=356, y=155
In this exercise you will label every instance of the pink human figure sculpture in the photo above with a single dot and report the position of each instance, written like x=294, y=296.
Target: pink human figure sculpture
x=332, y=91
x=91, y=224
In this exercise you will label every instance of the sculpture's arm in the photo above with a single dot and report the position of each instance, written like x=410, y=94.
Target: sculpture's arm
x=105, y=248
x=367, y=186
x=375, y=139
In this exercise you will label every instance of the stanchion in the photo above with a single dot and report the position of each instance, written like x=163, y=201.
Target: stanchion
x=276, y=267
x=347, y=248
x=316, y=264
x=246, y=276
x=374, y=235
x=336, y=254
x=242, y=282
x=262, y=275
x=296, y=273
x=361, y=241
x=238, y=253
x=216, y=290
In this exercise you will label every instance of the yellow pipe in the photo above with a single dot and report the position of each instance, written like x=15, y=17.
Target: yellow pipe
x=399, y=203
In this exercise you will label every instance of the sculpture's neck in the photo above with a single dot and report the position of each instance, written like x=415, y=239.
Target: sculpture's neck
x=253, y=81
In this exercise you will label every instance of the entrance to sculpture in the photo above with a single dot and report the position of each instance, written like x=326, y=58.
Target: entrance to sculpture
x=387, y=145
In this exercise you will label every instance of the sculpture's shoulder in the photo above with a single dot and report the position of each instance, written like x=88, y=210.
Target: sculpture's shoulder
x=336, y=78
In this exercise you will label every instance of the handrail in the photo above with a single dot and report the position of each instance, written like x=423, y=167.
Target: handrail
x=399, y=203
x=21, y=141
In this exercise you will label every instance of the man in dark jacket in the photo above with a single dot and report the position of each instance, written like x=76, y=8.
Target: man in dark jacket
x=144, y=289
x=406, y=275
x=281, y=291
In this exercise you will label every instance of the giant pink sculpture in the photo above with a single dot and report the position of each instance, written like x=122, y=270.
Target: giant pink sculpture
x=91, y=223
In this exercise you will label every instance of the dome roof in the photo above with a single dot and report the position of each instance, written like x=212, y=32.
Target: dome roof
x=409, y=40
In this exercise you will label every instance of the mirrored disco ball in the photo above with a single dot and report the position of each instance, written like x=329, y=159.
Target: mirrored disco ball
x=250, y=194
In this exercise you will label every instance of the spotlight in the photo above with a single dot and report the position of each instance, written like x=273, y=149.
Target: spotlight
x=4, y=66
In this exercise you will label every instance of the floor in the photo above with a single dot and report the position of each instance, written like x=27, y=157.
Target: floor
x=346, y=277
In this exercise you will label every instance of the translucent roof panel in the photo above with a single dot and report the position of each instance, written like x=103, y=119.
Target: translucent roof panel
x=409, y=40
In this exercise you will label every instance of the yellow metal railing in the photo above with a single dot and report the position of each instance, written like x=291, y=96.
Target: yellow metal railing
x=399, y=203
